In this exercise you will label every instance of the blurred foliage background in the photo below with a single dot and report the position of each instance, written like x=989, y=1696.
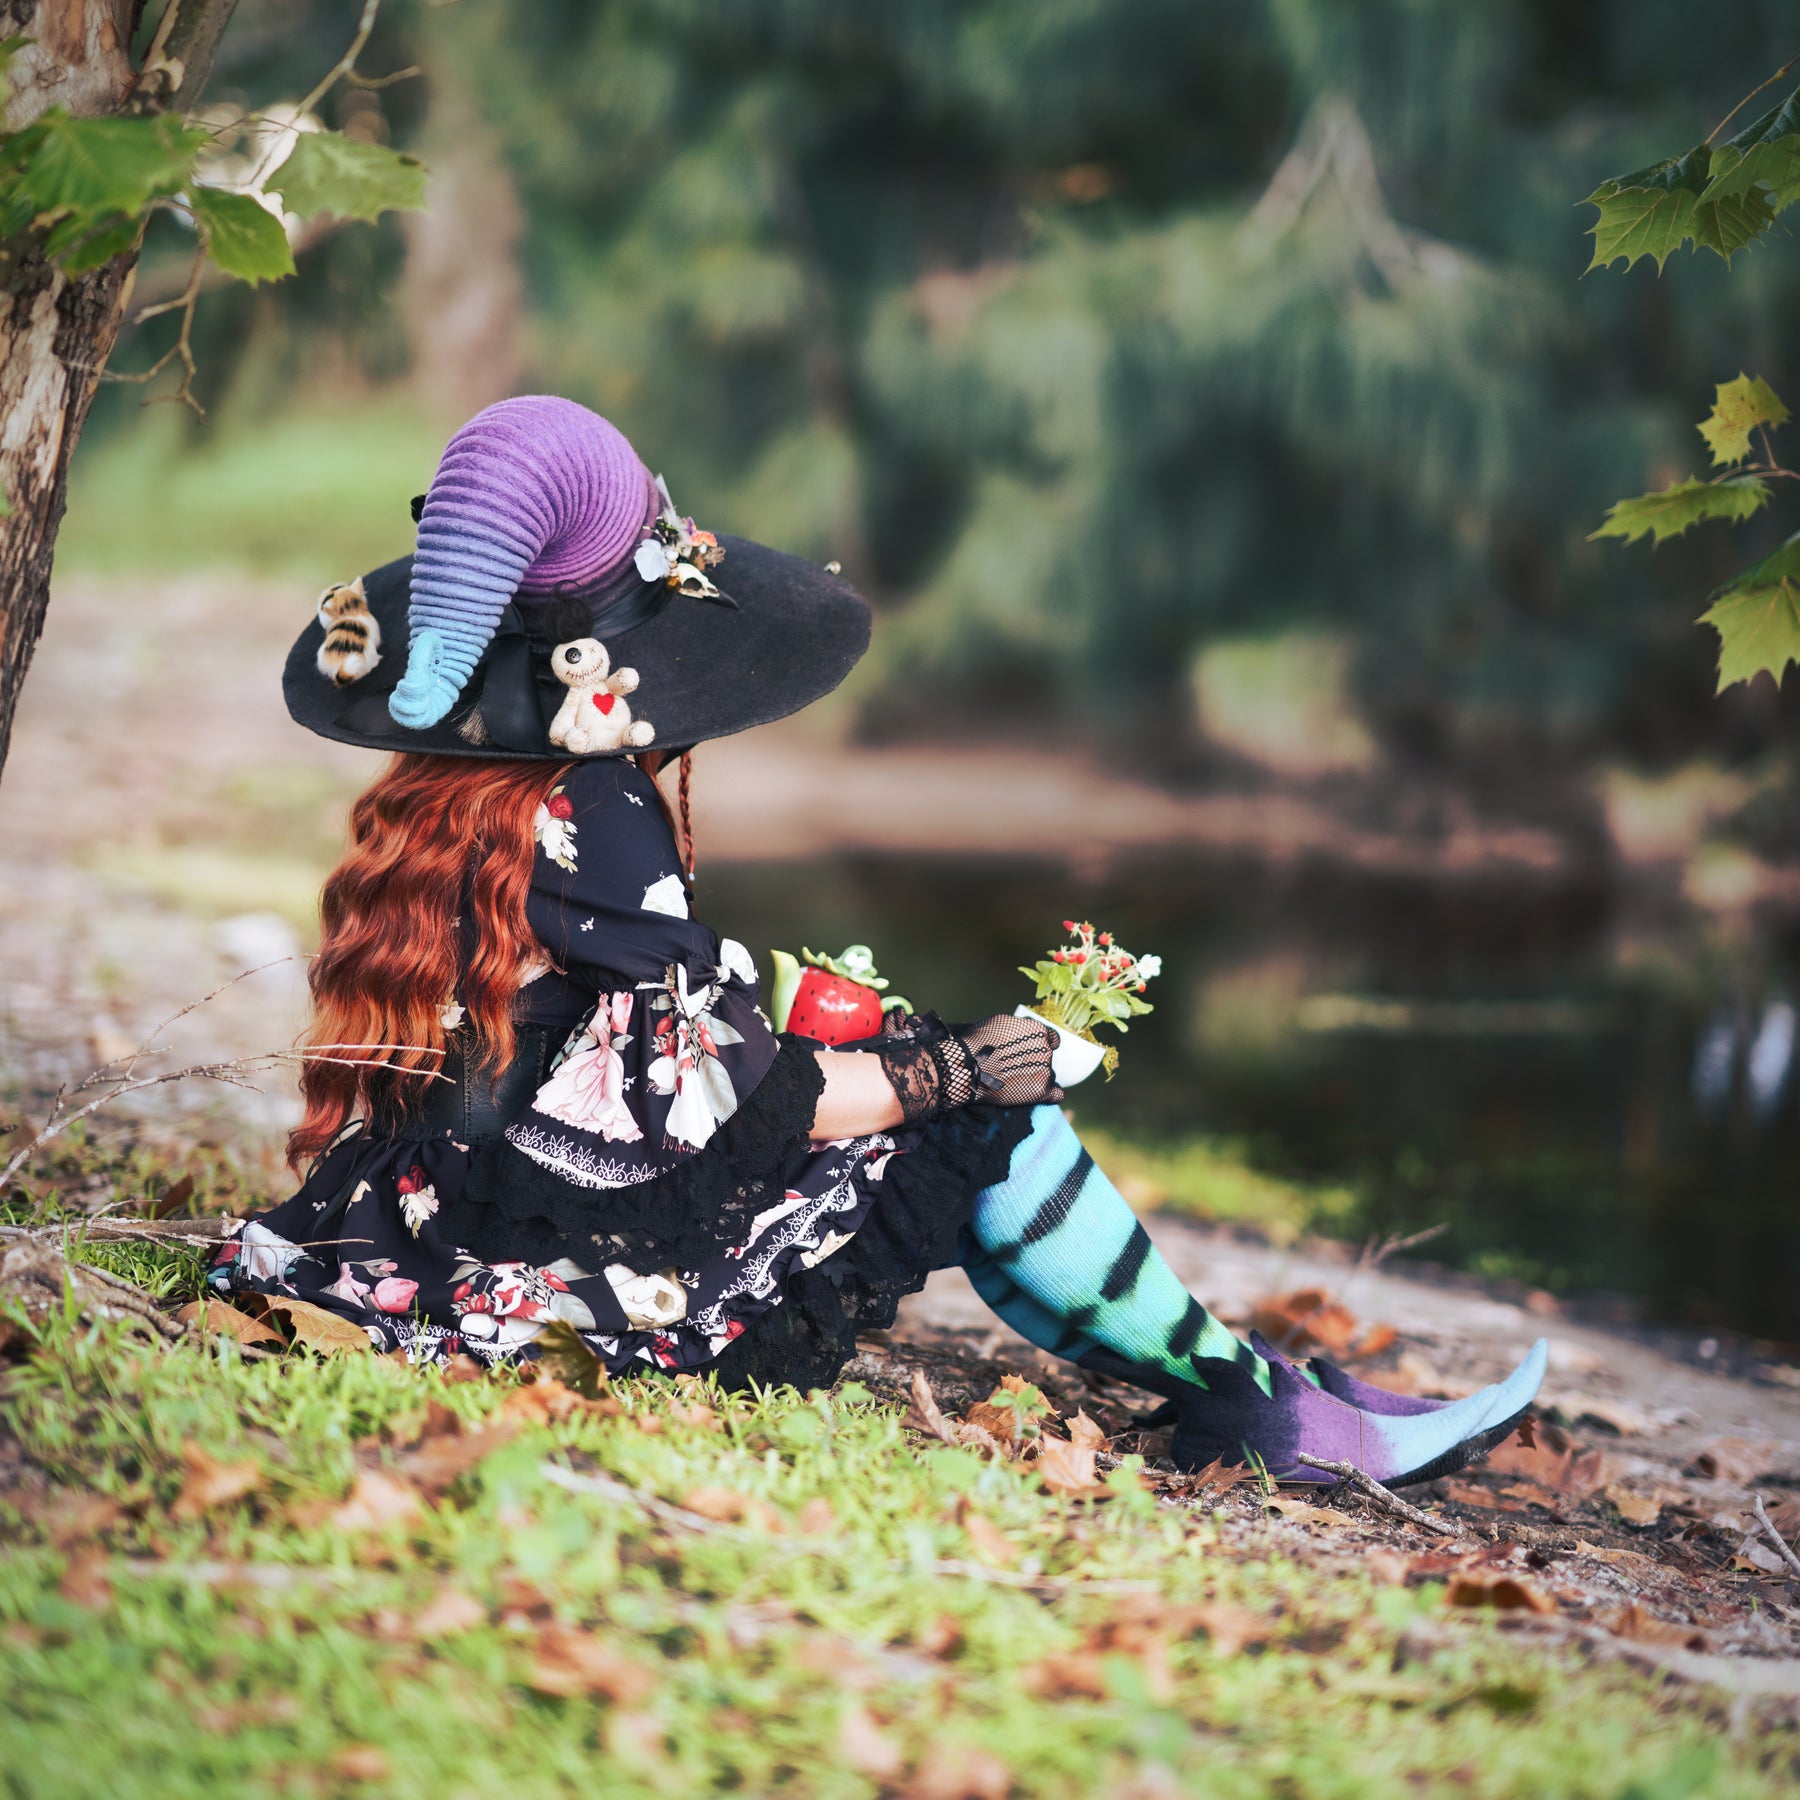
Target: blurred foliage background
x=1094, y=336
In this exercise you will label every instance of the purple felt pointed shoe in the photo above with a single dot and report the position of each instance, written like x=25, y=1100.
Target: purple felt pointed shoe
x=1231, y=1419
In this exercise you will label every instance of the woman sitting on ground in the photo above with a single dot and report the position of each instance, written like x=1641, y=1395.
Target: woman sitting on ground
x=540, y=1091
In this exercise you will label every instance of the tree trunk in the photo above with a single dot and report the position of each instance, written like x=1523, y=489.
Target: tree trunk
x=56, y=334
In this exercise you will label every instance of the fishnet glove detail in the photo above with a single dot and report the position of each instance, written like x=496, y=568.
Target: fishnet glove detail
x=1013, y=1055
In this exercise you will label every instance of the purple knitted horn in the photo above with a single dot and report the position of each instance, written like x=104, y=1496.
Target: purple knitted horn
x=533, y=495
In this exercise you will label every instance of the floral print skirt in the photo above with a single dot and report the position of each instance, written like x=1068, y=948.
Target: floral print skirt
x=360, y=1239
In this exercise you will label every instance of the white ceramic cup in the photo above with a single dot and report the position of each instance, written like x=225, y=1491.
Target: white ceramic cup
x=1075, y=1058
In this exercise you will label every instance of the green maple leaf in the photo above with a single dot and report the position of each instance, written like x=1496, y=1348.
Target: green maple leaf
x=244, y=238
x=1766, y=154
x=94, y=168
x=1757, y=617
x=328, y=172
x=1738, y=408
x=1655, y=211
x=1672, y=510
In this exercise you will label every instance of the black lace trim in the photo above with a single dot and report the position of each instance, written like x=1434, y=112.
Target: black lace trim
x=930, y=1077
x=924, y=1201
x=514, y=1209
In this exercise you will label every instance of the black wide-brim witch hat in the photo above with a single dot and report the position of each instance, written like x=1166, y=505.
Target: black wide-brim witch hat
x=545, y=544
x=704, y=670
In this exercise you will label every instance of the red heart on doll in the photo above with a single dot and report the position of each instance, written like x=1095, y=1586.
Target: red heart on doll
x=604, y=702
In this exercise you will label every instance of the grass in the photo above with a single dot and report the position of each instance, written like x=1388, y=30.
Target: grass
x=154, y=1643
x=777, y=1662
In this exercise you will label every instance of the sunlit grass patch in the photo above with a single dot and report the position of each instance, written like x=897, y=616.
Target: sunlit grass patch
x=352, y=1613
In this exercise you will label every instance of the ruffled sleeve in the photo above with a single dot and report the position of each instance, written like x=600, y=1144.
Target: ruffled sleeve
x=676, y=1038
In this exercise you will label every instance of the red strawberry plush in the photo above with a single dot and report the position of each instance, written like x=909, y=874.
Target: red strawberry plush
x=836, y=1000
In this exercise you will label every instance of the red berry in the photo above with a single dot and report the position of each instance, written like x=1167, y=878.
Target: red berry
x=1106, y=937
x=560, y=806
x=1080, y=956
x=1068, y=924
x=1141, y=986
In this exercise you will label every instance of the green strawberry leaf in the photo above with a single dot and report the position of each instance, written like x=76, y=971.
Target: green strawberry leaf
x=242, y=237
x=328, y=172
x=1655, y=211
x=1738, y=408
x=1672, y=510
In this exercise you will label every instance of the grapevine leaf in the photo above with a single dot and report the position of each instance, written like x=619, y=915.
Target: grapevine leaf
x=1766, y=154
x=92, y=168
x=328, y=172
x=242, y=236
x=1738, y=408
x=1657, y=210
x=1671, y=510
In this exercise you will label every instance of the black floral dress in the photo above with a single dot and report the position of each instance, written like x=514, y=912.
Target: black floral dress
x=643, y=1171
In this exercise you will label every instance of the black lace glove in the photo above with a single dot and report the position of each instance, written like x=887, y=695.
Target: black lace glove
x=1003, y=1061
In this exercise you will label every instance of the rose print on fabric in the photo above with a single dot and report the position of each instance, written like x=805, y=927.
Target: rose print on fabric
x=554, y=828
x=506, y=1305
x=587, y=1089
x=688, y=1038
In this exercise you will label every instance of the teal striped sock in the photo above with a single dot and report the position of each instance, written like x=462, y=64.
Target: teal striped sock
x=1059, y=1255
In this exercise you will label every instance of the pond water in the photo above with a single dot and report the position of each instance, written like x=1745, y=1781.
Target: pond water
x=1589, y=1105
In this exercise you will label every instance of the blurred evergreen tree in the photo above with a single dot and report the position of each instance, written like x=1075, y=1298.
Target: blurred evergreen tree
x=1086, y=330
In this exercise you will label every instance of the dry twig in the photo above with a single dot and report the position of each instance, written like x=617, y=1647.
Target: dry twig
x=1774, y=1536
x=1372, y=1489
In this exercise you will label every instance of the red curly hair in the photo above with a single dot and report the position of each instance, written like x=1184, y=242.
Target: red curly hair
x=430, y=836
x=429, y=831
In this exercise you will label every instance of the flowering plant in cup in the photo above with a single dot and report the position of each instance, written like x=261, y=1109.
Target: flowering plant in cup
x=1090, y=981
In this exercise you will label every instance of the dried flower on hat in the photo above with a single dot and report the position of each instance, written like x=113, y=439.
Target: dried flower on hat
x=679, y=553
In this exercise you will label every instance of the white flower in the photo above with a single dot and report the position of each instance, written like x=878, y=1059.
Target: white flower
x=418, y=1206
x=667, y=896
x=555, y=837
x=452, y=1015
x=1148, y=966
x=653, y=560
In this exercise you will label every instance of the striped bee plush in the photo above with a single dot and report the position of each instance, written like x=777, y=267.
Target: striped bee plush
x=352, y=645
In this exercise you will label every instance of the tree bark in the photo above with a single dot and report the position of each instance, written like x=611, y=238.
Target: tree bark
x=57, y=333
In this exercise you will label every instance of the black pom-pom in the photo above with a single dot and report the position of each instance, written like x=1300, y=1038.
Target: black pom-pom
x=565, y=618
x=418, y=507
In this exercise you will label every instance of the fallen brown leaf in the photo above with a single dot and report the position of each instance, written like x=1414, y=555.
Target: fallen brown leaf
x=221, y=1320
x=987, y=1539
x=816, y=1518
x=361, y=1762
x=548, y=1401
x=1641, y=1510
x=1068, y=1468
x=449, y=1613
x=1306, y=1319
x=1066, y=1675
x=1496, y=1588
x=725, y=1506
x=376, y=1503
x=1375, y=1340
x=1302, y=1512
x=439, y=1460
x=1641, y=1627
x=68, y=1517
x=959, y=1772
x=85, y=1583
x=1232, y=1628
x=318, y=1329
x=866, y=1747
x=211, y=1483
x=1472, y=1493
x=1001, y=1423
x=1602, y=1554
x=925, y=1414
x=1758, y=1558
x=1733, y=1459
x=568, y=1663
x=1554, y=1460
x=463, y=1367
x=174, y=1200
x=1388, y=1567
x=942, y=1638
x=1218, y=1477
x=564, y=1356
